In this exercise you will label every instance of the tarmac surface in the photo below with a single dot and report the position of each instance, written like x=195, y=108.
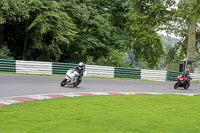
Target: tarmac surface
x=18, y=85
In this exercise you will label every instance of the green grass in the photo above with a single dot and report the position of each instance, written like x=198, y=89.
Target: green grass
x=104, y=114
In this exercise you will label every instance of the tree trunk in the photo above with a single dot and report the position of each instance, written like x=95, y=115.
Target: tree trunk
x=24, y=56
x=191, y=47
x=191, y=43
x=1, y=35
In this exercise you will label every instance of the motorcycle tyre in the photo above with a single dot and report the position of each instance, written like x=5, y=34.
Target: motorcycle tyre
x=176, y=85
x=187, y=86
x=63, y=83
x=77, y=83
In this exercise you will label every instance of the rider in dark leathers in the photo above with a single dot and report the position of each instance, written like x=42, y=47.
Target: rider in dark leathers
x=186, y=74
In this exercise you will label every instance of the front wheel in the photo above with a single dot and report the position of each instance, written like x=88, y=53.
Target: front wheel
x=63, y=83
x=176, y=85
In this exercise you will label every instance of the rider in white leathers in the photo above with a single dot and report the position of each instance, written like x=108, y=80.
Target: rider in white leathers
x=80, y=69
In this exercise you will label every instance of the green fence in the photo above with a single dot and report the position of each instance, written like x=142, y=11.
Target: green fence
x=172, y=75
x=7, y=65
x=61, y=68
x=127, y=73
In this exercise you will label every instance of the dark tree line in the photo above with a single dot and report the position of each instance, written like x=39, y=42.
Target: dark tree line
x=92, y=31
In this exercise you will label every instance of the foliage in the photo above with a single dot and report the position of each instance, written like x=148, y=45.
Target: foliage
x=144, y=18
x=54, y=25
x=13, y=11
x=182, y=18
x=99, y=34
x=5, y=53
x=168, y=44
x=43, y=26
x=167, y=41
x=115, y=58
x=88, y=31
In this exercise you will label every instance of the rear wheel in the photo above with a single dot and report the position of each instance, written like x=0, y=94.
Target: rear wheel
x=176, y=85
x=77, y=83
x=187, y=86
x=63, y=83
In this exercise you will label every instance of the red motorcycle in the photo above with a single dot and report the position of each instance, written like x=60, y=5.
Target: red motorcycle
x=182, y=82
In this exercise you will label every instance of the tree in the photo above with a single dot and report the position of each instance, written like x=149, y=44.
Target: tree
x=51, y=27
x=115, y=59
x=144, y=19
x=99, y=33
x=185, y=25
x=11, y=12
x=36, y=28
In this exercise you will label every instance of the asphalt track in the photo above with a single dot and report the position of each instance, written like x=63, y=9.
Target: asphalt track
x=18, y=85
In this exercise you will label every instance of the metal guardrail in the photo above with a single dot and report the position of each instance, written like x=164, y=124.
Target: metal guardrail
x=157, y=75
x=127, y=73
x=195, y=77
x=37, y=67
x=33, y=67
x=7, y=65
x=172, y=75
x=61, y=68
x=99, y=71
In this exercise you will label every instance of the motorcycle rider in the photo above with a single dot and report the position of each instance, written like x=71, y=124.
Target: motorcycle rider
x=183, y=80
x=80, y=69
x=186, y=74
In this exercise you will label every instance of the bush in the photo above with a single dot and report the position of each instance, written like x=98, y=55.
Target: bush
x=5, y=52
x=115, y=59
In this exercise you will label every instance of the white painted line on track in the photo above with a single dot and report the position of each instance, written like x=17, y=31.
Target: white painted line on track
x=27, y=98
x=5, y=103
x=70, y=94
x=11, y=101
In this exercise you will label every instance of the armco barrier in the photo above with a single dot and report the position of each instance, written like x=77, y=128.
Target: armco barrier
x=157, y=75
x=195, y=77
x=7, y=65
x=127, y=73
x=61, y=68
x=99, y=71
x=172, y=75
x=33, y=67
x=38, y=67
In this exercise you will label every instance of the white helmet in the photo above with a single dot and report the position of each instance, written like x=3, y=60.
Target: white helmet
x=81, y=64
x=187, y=71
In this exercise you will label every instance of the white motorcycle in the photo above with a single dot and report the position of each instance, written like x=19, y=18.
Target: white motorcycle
x=71, y=78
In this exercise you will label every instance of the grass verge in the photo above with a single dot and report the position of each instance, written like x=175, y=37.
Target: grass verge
x=104, y=114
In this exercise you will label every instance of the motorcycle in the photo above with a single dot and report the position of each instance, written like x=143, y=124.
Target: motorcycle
x=182, y=82
x=72, y=78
